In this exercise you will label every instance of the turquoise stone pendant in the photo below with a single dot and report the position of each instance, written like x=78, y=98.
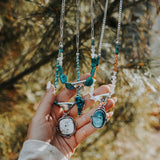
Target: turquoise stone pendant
x=99, y=118
x=80, y=103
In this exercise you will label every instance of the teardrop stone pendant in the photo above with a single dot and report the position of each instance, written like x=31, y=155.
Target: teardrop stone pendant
x=99, y=118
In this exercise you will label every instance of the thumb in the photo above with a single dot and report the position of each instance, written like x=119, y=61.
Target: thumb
x=47, y=101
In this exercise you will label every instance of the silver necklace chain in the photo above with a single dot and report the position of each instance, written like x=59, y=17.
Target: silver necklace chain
x=114, y=77
x=103, y=27
x=60, y=54
x=62, y=22
x=77, y=29
x=119, y=21
x=92, y=21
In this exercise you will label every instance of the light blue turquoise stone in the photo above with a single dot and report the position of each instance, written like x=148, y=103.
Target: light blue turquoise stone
x=63, y=78
x=98, y=118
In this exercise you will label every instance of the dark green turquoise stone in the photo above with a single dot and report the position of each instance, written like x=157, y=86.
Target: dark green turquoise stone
x=89, y=81
x=55, y=102
x=93, y=71
x=63, y=78
x=98, y=118
x=117, y=49
x=92, y=42
x=61, y=50
x=80, y=103
x=69, y=86
x=94, y=62
x=61, y=70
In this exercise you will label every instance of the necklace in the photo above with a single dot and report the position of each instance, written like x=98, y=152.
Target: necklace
x=95, y=57
x=99, y=118
x=59, y=69
x=66, y=124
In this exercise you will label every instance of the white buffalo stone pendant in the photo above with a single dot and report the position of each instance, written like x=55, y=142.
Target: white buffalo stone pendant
x=67, y=126
x=99, y=118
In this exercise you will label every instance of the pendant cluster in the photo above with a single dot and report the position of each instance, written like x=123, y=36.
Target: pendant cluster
x=66, y=124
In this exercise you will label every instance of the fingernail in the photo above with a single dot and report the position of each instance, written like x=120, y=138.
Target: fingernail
x=48, y=85
x=111, y=113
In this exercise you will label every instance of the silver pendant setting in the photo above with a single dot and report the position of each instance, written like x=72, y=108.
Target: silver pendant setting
x=65, y=105
x=66, y=126
x=77, y=85
x=101, y=97
x=99, y=118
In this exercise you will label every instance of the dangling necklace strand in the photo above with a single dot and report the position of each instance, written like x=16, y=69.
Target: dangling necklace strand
x=99, y=118
x=95, y=58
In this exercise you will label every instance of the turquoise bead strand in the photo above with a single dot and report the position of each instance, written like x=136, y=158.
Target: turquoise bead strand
x=57, y=71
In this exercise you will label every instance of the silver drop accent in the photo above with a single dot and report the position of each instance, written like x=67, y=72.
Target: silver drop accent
x=100, y=98
x=79, y=85
x=66, y=105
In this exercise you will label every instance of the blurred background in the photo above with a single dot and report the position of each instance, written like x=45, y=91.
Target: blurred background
x=29, y=38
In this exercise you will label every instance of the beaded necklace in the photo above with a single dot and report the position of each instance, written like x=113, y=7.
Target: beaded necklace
x=99, y=118
x=95, y=57
x=67, y=125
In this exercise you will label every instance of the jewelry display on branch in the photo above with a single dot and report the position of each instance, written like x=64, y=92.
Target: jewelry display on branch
x=66, y=124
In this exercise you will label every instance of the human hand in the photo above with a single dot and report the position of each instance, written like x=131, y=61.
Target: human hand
x=44, y=123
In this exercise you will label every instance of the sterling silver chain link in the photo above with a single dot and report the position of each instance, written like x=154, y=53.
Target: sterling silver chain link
x=77, y=29
x=119, y=21
x=92, y=21
x=103, y=27
x=60, y=54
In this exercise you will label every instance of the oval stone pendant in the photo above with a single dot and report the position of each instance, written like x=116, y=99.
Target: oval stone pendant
x=67, y=126
x=99, y=118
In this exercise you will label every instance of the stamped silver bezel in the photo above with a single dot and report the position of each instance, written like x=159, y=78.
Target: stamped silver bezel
x=74, y=124
x=99, y=109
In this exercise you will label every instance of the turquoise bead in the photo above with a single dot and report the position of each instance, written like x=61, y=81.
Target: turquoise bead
x=55, y=102
x=89, y=81
x=69, y=86
x=61, y=70
x=94, y=62
x=117, y=48
x=99, y=118
x=92, y=42
x=63, y=78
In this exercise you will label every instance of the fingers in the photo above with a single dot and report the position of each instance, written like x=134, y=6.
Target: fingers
x=64, y=96
x=84, y=119
x=47, y=101
x=88, y=102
